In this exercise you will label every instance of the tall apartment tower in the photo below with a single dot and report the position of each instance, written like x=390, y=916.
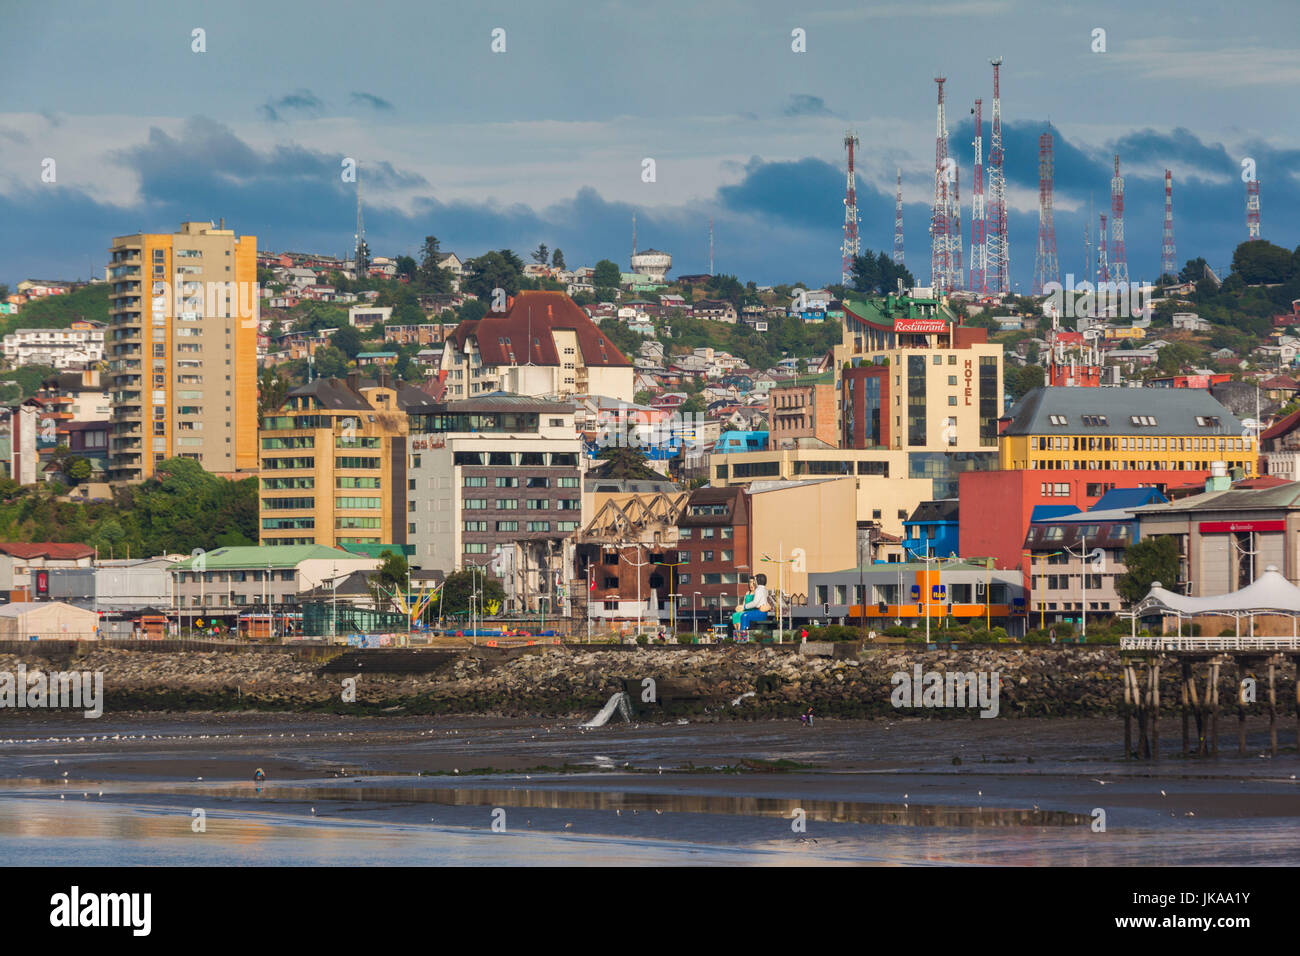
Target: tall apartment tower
x=182, y=350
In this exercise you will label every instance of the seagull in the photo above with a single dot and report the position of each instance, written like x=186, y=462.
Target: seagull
x=1103, y=782
x=1162, y=793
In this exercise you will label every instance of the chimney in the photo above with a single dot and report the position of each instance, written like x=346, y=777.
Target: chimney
x=223, y=223
x=354, y=381
x=1218, y=480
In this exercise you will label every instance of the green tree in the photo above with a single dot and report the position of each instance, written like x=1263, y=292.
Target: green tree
x=76, y=469
x=330, y=363
x=557, y=259
x=541, y=254
x=406, y=266
x=1193, y=270
x=458, y=586
x=493, y=270
x=606, y=275
x=347, y=340
x=626, y=462
x=1145, y=561
x=1260, y=261
x=1021, y=380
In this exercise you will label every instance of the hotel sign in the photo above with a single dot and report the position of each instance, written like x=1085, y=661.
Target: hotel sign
x=1227, y=527
x=920, y=325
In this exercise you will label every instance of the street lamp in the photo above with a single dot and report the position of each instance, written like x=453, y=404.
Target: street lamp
x=780, y=562
x=695, y=620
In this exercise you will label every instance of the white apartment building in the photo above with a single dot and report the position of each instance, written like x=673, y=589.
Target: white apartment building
x=496, y=483
x=543, y=344
x=75, y=347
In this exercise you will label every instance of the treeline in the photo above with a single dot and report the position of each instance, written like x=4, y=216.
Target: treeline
x=181, y=508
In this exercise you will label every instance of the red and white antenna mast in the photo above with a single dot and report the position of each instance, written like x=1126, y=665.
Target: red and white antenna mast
x=998, y=254
x=898, y=220
x=1046, y=267
x=978, y=260
x=941, y=264
x=850, y=247
x=1167, y=243
x=1252, y=209
x=1119, y=269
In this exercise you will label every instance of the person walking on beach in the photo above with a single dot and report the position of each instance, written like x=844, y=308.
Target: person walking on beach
x=806, y=718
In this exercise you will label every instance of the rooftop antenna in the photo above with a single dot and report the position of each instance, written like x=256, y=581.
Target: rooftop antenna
x=633, y=235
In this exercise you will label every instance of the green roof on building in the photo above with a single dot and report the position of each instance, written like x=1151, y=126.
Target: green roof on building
x=263, y=556
x=893, y=309
x=377, y=550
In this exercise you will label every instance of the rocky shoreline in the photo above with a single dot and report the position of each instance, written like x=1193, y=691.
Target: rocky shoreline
x=1075, y=681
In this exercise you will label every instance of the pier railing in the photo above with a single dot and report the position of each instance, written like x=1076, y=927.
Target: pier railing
x=1258, y=643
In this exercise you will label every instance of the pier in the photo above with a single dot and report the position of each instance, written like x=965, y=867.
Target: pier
x=1201, y=665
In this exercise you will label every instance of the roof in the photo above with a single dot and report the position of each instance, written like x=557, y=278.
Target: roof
x=333, y=393
x=1175, y=411
x=19, y=608
x=272, y=556
x=494, y=402
x=1128, y=498
x=51, y=550
x=942, y=509
x=1282, y=426
x=503, y=337
x=1048, y=512
x=1269, y=592
x=1285, y=495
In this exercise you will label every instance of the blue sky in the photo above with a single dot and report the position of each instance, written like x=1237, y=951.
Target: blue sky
x=545, y=142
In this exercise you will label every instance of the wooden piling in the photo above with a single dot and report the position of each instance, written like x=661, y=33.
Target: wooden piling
x=1155, y=710
x=1272, y=707
x=1187, y=679
x=1126, y=671
x=1241, y=706
x=1214, y=707
x=1199, y=713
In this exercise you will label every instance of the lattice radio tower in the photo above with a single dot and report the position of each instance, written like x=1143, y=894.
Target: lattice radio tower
x=1119, y=267
x=1167, y=243
x=1252, y=209
x=978, y=214
x=998, y=253
x=942, y=267
x=850, y=247
x=898, y=220
x=1046, y=267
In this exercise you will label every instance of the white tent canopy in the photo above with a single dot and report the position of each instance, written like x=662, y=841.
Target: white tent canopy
x=1270, y=593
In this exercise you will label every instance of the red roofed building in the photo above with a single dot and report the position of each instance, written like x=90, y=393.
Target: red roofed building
x=24, y=566
x=543, y=344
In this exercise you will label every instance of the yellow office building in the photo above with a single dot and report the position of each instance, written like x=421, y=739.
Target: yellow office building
x=333, y=467
x=1124, y=429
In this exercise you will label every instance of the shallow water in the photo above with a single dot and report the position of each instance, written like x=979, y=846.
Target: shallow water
x=370, y=791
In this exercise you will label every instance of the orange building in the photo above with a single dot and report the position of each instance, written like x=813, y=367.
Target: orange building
x=181, y=347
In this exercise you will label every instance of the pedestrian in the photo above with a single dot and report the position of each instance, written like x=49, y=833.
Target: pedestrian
x=803, y=635
x=806, y=718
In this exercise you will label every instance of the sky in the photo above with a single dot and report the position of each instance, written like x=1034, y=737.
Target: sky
x=546, y=140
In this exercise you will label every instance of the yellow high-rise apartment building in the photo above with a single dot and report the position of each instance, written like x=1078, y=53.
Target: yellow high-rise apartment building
x=333, y=467
x=181, y=348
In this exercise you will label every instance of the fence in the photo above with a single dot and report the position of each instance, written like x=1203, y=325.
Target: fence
x=1259, y=643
